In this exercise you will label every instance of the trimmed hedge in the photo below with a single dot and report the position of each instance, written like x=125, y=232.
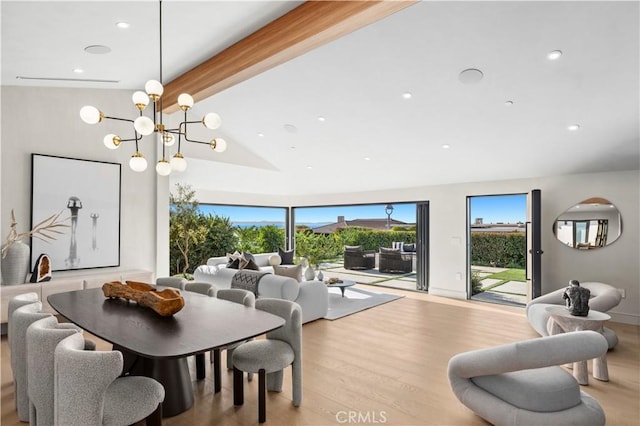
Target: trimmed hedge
x=372, y=240
x=504, y=250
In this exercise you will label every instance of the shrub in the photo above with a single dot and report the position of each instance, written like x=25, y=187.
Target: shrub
x=498, y=249
x=476, y=285
x=270, y=238
x=317, y=248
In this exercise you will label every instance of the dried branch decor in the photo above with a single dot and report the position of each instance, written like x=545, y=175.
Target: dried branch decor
x=46, y=230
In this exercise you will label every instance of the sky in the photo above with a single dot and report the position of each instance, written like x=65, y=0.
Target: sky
x=499, y=208
x=245, y=214
x=402, y=212
x=492, y=209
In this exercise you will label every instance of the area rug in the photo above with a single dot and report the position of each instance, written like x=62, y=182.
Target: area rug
x=354, y=300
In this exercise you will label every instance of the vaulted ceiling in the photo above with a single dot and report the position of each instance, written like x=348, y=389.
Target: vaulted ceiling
x=331, y=113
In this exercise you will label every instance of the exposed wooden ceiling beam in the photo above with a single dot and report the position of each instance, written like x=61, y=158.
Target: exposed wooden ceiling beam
x=306, y=27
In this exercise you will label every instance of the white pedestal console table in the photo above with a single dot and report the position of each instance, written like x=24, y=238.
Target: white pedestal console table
x=561, y=320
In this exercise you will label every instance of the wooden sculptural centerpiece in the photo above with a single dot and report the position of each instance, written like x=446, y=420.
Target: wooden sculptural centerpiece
x=165, y=303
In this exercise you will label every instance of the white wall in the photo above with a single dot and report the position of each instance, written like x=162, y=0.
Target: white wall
x=616, y=264
x=46, y=121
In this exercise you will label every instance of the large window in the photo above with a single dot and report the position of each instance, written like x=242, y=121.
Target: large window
x=215, y=230
x=376, y=244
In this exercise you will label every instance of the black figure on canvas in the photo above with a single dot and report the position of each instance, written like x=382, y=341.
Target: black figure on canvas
x=74, y=204
x=577, y=299
x=94, y=230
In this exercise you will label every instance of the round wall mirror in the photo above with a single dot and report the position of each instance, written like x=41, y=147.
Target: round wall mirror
x=591, y=224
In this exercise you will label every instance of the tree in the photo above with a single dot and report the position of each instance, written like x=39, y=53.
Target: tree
x=185, y=228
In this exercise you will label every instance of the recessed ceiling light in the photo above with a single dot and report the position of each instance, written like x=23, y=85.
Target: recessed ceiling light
x=407, y=95
x=78, y=70
x=290, y=128
x=292, y=147
x=552, y=56
x=446, y=146
x=573, y=127
x=321, y=118
x=367, y=158
x=309, y=167
x=508, y=103
x=470, y=76
x=97, y=49
x=261, y=135
x=123, y=25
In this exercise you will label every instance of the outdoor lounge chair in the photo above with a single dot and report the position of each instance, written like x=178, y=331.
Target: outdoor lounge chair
x=356, y=258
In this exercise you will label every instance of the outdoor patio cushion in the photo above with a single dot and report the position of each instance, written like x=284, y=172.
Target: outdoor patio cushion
x=545, y=389
x=387, y=250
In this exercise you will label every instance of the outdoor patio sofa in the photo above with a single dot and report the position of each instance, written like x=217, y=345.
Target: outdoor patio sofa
x=356, y=258
x=393, y=260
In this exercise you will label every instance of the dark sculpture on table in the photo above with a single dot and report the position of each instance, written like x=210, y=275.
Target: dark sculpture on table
x=577, y=299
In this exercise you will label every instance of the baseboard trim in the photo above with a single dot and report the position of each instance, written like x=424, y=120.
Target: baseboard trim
x=448, y=293
x=624, y=318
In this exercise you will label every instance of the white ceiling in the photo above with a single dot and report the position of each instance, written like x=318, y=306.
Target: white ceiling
x=357, y=83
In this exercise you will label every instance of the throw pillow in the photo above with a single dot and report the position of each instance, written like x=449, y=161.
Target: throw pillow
x=275, y=259
x=233, y=263
x=251, y=264
x=409, y=247
x=248, y=256
x=286, y=256
x=352, y=248
x=294, y=272
x=231, y=258
x=389, y=250
x=238, y=260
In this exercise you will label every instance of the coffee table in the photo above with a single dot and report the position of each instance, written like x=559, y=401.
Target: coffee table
x=342, y=285
x=561, y=320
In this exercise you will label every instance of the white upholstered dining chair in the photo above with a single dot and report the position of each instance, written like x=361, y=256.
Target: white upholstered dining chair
x=269, y=357
x=88, y=389
x=20, y=321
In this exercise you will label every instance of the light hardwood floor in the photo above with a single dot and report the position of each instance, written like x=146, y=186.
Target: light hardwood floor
x=388, y=365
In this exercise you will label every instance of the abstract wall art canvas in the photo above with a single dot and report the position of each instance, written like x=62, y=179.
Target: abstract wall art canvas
x=88, y=195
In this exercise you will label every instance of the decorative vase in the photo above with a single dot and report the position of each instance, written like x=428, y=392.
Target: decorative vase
x=320, y=276
x=15, y=265
x=309, y=274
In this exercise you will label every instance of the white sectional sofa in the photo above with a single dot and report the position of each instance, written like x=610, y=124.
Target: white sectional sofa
x=312, y=296
x=261, y=259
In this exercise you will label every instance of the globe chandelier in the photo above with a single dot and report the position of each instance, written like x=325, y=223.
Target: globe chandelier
x=145, y=126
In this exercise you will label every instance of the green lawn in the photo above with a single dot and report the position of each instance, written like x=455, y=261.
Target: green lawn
x=509, y=275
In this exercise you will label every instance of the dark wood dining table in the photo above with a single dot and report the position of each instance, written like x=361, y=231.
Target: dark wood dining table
x=157, y=346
